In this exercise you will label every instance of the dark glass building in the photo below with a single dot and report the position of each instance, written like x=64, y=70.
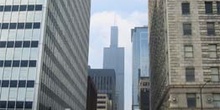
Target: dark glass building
x=104, y=80
x=91, y=103
x=144, y=93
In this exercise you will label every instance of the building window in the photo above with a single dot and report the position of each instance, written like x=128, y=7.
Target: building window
x=188, y=51
x=210, y=28
x=208, y=7
x=213, y=51
x=190, y=74
x=215, y=76
x=218, y=7
x=185, y=8
x=216, y=100
x=191, y=100
x=187, y=29
x=11, y=104
x=19, y=104
x=2, y=104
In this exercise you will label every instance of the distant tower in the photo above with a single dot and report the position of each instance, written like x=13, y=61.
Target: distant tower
x=114, y=59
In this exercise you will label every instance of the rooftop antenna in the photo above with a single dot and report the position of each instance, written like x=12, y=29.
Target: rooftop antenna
x=115, y=20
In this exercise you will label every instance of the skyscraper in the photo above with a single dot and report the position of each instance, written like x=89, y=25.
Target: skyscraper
x=184, y=54
x=104, y=80
x=43, y=54
x=140, y=60
x=114, y=59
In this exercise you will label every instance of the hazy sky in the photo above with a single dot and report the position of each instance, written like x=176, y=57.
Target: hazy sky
x=126, y=14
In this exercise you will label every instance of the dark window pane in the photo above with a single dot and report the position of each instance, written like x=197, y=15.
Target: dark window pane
x=218, y=7
x=28, y=105
x=1, y=63
x=20, y=25
x=34, y=44
x=23, y=8
x=210, y=28
x=28, y=26
x=16, y=63
x=208, y=8
x=30, y=83
x=190, y=74
x=185, y=8
x=26, y=44
x=1, y=8
x=13, y=83
x=10, y=44
x=187, y=29
x=38, y=7
x=2, y=43
x=13, y=25
x=32, y=63
x=22, y=83
x=36, y=25
x=2, y=104
x=0, y=26
x=191, y=100
x=5, y=26
x=11, y=104
x=5, y=83
x=15, y=8
x=24, y=63
x=30, y=7
x=8, y=63
x=8, y=8
x=18, y=43
x=19, y=104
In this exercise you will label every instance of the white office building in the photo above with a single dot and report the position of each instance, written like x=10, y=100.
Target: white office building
x=43, y=54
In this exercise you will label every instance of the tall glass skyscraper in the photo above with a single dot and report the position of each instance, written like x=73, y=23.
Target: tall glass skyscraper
x=114, y=59
x=43, y=54
x=140, y=60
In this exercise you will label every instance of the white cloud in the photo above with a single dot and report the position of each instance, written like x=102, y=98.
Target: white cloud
x=100, y=38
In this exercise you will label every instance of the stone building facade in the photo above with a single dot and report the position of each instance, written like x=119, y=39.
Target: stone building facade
x=184, y=54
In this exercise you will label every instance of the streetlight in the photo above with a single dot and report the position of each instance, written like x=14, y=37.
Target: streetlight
x=201, y=93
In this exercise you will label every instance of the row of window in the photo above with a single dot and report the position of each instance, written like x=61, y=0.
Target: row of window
x=208, y=7
x=191, y=100
x=190, y=74
x=20, y=25
x=18, y=44
x=187, y=28
x=16, y=83
x=18, y=63
x=188, y=51
x=16, y=104
x=21, y=8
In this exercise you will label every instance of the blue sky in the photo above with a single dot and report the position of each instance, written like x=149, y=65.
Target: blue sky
x=126, y=14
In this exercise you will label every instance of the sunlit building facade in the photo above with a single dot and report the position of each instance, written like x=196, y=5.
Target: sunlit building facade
x=43, y=54
x=184, y=54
